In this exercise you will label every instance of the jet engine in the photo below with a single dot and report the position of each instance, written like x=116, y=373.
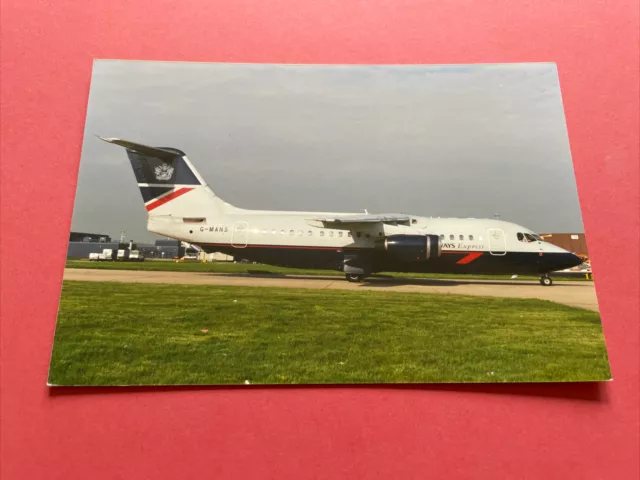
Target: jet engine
x=411, y=248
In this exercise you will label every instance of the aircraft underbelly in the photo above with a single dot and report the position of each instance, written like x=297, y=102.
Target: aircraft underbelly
x=326, y=258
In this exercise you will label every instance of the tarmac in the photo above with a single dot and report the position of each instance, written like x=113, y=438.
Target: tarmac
x=576, y=294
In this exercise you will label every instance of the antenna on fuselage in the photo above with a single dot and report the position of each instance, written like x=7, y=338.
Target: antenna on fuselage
x=496, y=216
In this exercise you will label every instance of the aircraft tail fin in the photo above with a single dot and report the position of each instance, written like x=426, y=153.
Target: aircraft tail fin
x=169, y=183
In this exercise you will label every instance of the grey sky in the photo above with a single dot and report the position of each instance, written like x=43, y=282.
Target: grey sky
x=465, y=141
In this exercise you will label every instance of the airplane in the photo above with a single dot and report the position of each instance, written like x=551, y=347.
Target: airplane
x=181, y=205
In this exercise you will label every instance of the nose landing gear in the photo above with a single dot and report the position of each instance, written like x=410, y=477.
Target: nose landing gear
x=546, y=281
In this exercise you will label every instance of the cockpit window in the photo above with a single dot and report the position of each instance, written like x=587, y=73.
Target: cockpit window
x=537, y=237
x=528, y=237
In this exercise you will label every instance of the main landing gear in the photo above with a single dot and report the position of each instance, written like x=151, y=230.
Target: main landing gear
x=546, y=281
x=355, y=278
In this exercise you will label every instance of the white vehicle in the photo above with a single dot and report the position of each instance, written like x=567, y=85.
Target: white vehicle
x=181, y=205
x=126, y=255
x=107, y=254
x=135, y=255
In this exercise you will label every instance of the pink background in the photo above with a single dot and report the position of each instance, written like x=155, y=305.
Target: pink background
x=492, y=431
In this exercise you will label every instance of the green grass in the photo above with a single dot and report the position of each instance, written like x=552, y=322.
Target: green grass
x=230, y=267
x=132, y=334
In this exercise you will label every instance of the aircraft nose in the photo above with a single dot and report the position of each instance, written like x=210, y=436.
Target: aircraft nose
x=560, y=261
x=572, y=260
x=578, y=260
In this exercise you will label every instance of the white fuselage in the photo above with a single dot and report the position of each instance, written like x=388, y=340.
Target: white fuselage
x=181, y=205
x=297, y=229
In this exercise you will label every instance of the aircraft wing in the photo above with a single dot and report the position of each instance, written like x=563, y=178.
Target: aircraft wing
x=355, y=219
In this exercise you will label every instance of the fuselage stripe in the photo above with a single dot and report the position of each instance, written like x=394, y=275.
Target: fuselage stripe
x=309, y=247
x=469, y=258
x=299, y=247
x=167, y=198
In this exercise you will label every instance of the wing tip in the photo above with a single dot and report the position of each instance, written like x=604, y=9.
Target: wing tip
x=108, y=139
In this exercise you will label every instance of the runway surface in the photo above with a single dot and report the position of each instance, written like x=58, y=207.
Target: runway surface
x=575, y=294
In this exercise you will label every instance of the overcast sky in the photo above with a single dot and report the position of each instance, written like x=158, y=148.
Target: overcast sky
x=464, y=141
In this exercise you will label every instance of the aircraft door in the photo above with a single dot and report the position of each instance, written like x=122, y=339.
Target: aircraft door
x=497, y=243
x=239, y=234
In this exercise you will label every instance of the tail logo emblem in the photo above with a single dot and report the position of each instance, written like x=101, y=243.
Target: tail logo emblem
x=163, y=172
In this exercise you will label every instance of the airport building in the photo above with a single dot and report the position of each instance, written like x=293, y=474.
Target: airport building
x=89, y=237
x=82, y=244
x=572, y=242
x=82, y=249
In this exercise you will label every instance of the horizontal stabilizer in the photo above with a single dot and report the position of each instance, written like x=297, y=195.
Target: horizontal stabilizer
x=157, y=152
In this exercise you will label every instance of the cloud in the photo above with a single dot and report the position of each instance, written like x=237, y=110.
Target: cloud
x=439, y=140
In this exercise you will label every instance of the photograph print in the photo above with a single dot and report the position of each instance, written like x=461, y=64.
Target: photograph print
x=240, y=224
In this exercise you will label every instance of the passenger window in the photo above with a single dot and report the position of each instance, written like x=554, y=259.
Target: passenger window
x=359, y=234
x=348, y=234
x=368, y=236
x=414, y=221
x=273, y=231
x=451, y=237
x=322, y=233
x=291, y=232
x=461, y=237
x=299, y=232
x=339, y=234
x=441, y=237
x=309, y=233
x=471, y=237
x=331, y=233
x=282, y=232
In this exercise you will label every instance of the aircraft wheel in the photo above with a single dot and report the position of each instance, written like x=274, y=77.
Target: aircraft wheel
x=546, y=281
x=355, y=278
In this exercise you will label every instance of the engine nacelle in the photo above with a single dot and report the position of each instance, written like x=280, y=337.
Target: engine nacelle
x=411, y=248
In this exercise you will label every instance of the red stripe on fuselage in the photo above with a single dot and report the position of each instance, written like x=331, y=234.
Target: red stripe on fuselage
x=297, y=247
x=469, y=258
x=168, y=198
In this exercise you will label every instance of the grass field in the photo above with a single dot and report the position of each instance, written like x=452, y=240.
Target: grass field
x=132, y=334
x=229, y=267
